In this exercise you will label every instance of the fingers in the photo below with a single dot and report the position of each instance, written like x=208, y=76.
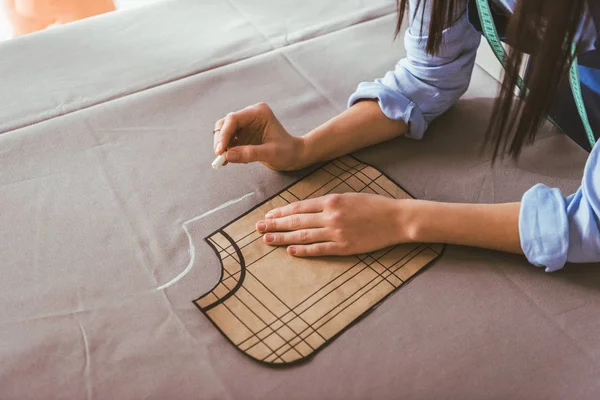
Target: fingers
x=290, y=223
x=303, y=236
x=235, y=121
x=250, y=153
x=217, y=134
x=315, y=250
x=300, y=207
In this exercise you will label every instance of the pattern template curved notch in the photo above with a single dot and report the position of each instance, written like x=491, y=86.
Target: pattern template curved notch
x=233, y=271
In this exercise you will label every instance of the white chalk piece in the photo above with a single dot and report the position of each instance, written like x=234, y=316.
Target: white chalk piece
x=219, y=161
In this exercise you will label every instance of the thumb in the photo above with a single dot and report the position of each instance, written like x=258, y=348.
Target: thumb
x=248, y=153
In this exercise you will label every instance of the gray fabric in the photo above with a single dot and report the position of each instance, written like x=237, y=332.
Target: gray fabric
x=94, y=196
x=82, y=64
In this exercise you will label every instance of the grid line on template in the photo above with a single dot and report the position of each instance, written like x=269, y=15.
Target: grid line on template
x=266, y=325
x=333, y=290
x=353, y=174
x=325, y=184
x=365, y=267
x=292, y=310
x=399, y=266
x=381, y=273
x=221, y=249
x=267, y=308
x=281, y=301
x=269, y=290
x=242, y=247
x=312, y=328
x=269, y=325
x=378, y=279
x=229, y=274
x=230, y=246
x=239, y=240
x=431, y=248
x=320, y=289
x=287, y=191
x=242, y=322
x=354, y=301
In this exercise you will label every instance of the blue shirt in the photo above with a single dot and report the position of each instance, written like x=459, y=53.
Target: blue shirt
x=554, y=229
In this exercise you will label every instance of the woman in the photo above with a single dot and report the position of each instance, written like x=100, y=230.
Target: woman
x=441, y=45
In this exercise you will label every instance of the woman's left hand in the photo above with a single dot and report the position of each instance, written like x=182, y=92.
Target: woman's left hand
x=338, y=224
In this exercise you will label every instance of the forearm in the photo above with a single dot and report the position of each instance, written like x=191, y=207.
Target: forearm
x=490, y=226
x=362, y=125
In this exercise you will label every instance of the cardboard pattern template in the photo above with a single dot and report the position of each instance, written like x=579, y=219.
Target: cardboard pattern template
x=281, y=310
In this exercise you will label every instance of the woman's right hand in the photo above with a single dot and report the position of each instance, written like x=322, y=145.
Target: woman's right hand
x=255, y=134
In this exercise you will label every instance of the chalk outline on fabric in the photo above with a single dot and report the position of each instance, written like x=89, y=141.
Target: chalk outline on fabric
x=192, y=248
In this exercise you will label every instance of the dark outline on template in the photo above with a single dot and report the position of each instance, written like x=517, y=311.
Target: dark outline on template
x=243, y=273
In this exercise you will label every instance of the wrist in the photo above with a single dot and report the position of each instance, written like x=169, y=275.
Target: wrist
x=301, y=153
x=406, y=216
x=306, y=152
x=431, y=222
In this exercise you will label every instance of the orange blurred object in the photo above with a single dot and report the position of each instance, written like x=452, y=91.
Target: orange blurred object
x=26, y=16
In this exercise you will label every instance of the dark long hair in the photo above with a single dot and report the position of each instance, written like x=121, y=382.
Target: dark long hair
x=546, y=30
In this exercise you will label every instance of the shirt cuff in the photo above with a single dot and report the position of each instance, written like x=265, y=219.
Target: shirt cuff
x=544, y=227
x=394, y=105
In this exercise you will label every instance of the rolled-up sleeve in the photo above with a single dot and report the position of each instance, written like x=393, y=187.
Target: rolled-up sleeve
x=422, y=86
x=555, y=230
